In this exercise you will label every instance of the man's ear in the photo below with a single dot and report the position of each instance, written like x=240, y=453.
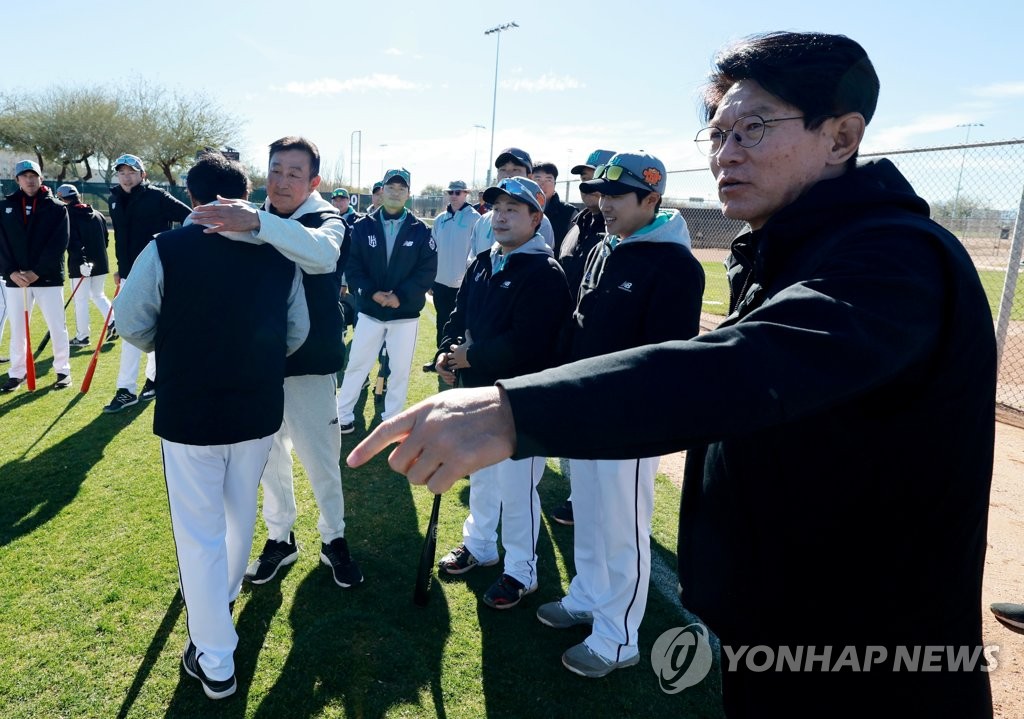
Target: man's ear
x=315, y=183
x=846, y=133
x=652, y=200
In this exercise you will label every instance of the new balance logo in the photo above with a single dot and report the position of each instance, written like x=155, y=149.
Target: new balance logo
x=407, y=243
x=506, y=284
x=626, y=286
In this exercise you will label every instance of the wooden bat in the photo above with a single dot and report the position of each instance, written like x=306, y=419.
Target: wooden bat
x=425, y=570
x=87, y=382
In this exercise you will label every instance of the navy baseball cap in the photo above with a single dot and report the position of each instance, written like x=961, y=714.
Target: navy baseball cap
x=519, y=157
x=27, y=166
x=398, y=174
x=130, y=160
x=594, y=160
x=628, y=171
x=519, y=188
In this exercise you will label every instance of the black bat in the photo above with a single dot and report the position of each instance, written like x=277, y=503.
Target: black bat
x=425, y=570
x=46, y=337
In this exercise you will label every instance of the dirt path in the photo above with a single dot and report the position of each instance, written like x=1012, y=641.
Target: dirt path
x=1004, y=563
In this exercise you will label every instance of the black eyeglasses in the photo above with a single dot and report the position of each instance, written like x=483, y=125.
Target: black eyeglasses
x=748, y=131
x=614, y=172
x=455, y=192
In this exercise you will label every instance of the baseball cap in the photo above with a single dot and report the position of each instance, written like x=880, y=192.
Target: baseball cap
x=520, y=188
x=339, y=192
x=131, y=161
x=594, y=159
x=400, y=173
x=377, y=186
x=67, y=191
x=27, y=166
x=457, y=185
x=520, y=157
x=628, y=171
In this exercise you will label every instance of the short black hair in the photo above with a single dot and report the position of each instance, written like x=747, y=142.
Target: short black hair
x=548, y=167
x=293, y=142
x=822, y=75
x=213, y=174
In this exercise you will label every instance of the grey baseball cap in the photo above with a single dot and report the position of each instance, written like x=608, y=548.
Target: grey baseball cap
x=519, y=188
x=130, y=160
x=457, y=185
x=594, y=160
x=27, y=166
x=628, y=171
x=67, y=191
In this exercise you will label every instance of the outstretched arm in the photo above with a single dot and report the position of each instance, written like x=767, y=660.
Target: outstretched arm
x=445, y=437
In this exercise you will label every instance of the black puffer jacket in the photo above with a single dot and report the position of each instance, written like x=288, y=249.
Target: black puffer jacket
x=88, y=241
x=138, y=216
x=37, y=245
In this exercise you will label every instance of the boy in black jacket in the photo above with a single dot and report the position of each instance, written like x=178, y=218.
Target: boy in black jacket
x=87, y=261
x=508, y=313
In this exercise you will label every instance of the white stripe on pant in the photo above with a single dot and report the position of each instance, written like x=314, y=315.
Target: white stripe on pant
x=51, y=304
x=612, y=504
x=400, y=336
x=211, y=491
x=311, y=427
x=91, y=288
x=506, y=491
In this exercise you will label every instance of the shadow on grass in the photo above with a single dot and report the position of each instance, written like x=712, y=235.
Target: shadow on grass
x=35, y=490
x=156, y=646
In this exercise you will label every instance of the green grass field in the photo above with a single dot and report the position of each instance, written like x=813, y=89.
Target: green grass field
x=92, y=625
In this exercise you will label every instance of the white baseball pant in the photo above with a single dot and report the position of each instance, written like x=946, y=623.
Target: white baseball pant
x=51, y=304
x=310, y=427
x=211, y=491
x=506, y=491
x=370, y=333
x=128, y=373
x=612, y=504
x=90, y=289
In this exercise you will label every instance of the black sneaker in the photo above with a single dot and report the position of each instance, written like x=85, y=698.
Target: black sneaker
x=1009, y=614
x=348, y=428
x=274, y=556
x=11, y=384
x=563, y=514
x=213, y=688
x=112, y=333
x=506, y=593
x=336, y=556
x=63, y=381
x=122, y=398
x=75, y=342
x=148, y=390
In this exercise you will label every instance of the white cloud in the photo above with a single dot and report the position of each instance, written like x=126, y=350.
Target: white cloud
x=392, y=51
x=333, y=86
x=1001, y=89
x=545, y=83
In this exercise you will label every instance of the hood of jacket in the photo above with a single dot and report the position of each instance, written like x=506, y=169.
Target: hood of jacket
x=314, y=203
x=668, y=226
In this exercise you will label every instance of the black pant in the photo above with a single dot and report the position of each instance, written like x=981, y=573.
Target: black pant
x=444, y=303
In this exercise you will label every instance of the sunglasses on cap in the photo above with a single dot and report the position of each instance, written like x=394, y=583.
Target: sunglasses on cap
x=614, y=172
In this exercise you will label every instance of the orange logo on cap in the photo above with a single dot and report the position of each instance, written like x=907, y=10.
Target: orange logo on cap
x=541, y=199
x=652, y=176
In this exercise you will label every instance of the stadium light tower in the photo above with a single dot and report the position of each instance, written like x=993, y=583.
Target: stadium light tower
x=497, y=30
x=963, y=158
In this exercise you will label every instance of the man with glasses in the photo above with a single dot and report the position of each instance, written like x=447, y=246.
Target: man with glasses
x=452, y=232
x=508, y=316
x=138, y=212
x=393, y=264
x=838, y=424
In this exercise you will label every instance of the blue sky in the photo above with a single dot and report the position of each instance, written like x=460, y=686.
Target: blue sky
x=416, y=77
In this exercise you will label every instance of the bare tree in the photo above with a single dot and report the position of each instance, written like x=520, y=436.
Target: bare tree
x=184, y=125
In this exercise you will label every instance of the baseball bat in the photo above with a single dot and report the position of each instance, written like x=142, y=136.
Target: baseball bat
x=425, y=571
x=30, y=365
x=87, y=382
x=46, y=337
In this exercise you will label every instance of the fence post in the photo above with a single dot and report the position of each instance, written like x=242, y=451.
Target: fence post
x=1010, y=283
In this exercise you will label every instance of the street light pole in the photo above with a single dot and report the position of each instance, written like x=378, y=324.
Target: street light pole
x=476, y=137
x=963, y=159
x=497, y=30
x=352, y=158
x=382, y=146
